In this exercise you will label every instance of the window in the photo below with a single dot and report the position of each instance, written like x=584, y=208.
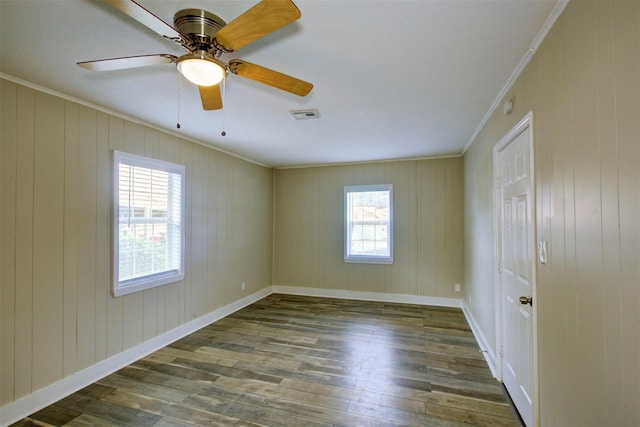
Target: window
x=148, y=223
x=368, y=224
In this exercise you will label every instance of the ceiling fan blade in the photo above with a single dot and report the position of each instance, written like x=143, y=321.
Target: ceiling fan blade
x=270, y=77
x=211, y=97
x=148, y=19
x=127, y=62
x=262, y=19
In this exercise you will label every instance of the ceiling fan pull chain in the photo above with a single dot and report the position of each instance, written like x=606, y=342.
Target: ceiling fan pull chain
x=224, y=92
x=178, y=124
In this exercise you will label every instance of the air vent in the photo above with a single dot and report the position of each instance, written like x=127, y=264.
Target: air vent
x=305, y=114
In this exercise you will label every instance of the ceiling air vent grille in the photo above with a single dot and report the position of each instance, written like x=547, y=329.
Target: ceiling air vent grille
x=305, y=114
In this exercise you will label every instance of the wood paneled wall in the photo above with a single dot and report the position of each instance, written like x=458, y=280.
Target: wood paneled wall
x=56, y=312
x=584, y=88
x=428, y=239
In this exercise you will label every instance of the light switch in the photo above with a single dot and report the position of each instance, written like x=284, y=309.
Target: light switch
x=542, y=251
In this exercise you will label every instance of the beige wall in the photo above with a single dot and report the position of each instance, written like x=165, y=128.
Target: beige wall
x=428, y=243
x=57, y=316
x=584, y=88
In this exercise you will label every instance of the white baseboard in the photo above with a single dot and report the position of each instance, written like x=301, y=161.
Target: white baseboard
x=368, y=296
x=487, y=351
x=39, y=399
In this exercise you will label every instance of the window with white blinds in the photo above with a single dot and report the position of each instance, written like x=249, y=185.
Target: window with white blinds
x=368, y=224
x=148, y=223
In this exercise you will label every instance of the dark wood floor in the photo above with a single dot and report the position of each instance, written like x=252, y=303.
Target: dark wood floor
x=302, y=361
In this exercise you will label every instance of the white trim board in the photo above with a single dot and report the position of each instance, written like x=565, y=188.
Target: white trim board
x=39, y=399
x=369, y=162
x=368, y=296
x=486, y=349
x=533, y=48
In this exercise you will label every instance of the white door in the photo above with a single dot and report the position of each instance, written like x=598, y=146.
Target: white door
x=516, y=269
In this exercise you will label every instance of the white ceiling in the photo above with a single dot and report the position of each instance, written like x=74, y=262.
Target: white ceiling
x=393, y=79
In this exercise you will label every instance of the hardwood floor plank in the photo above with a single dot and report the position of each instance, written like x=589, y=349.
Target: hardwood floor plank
x=325, y=415
x=273, y=417
x=271, y=391
x=388, y=388
x=178, y=371
x=172, y=381
x=470, y=417
x=388, y=414
x=471, y=390
x=169, y=394
x=169, y=422
x=170, y=410
x=257, y=356
x=233, y=372
x=86, y=420
x=56, y=415
x=500, y=409
x=233, y=394
x=30, y=422
x=379, y=399
x=108, y=411
x=378, y=394
x=95, y=391
x=321, y=378
x=297, y=361
x=133, y=372
x=412, y=384
x=219, y=357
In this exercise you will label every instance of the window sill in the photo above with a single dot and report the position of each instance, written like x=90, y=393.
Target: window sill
x=141, y=285
x=368, y=260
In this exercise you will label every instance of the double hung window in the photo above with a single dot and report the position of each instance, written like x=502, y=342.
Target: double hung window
x=148, y=223
x=368, y=224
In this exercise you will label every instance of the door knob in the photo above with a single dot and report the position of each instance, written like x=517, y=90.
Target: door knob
x=526, y=300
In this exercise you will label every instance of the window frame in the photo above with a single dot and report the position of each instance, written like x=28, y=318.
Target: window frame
x=367, y=259
x=148, y=281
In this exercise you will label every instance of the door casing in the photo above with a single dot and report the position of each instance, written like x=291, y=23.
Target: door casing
x=525, y=125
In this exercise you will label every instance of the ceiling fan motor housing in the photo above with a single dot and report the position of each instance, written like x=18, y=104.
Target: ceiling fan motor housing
x=199, y=26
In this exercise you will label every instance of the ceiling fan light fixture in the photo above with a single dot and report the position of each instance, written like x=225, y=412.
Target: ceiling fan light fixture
x=201, y=68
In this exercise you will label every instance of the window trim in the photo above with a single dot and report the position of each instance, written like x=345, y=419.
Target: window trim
x=140, y=283
x=367, y=259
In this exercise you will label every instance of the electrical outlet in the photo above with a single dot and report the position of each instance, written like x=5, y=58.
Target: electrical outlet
x=457, y=287
x=243, y=286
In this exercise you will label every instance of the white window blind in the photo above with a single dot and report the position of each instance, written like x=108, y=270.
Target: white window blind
x=148, y=228
x=368, y=224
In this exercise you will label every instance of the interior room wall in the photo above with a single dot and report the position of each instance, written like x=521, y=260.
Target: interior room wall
x=428, y=229
x=57, y=315
x=583, y=86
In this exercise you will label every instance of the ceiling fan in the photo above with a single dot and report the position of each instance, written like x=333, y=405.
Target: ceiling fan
x=206, y=37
